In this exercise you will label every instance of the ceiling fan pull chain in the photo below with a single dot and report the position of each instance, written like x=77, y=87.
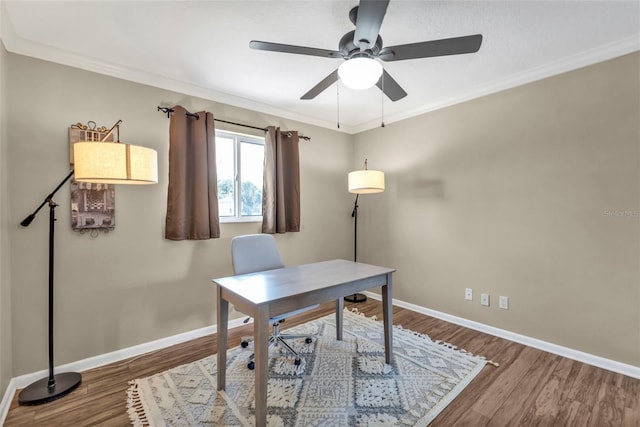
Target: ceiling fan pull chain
x=382, y=102
x=338, y=102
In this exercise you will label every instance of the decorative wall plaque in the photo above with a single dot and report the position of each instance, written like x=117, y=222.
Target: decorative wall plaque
x=93, y=206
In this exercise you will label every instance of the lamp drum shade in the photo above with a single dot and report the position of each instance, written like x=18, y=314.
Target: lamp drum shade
x=114, y=163
x=366, y=181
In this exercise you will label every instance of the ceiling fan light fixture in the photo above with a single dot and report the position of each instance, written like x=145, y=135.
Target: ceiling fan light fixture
x=360, y=73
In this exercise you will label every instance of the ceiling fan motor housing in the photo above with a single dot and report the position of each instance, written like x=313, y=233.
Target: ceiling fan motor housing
x=350, y=50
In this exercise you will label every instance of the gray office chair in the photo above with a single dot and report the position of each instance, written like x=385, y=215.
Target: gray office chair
x=258, y=252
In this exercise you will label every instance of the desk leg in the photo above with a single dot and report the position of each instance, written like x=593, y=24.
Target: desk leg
x=339, y=316
x=261, y=350
x=387, y=312
x=222, y=314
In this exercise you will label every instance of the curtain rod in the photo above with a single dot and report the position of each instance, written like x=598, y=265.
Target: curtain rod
x=168, y=112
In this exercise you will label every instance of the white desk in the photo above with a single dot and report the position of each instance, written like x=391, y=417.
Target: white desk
x=269, y=293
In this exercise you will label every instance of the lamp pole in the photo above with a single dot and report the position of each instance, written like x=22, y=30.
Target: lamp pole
x=56, y=385
x=354, y=215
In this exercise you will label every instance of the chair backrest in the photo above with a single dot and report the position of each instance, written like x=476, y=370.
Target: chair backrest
x=255, y=252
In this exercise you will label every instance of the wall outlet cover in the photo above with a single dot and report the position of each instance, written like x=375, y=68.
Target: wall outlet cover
x=504, y=302
x=468, y=294
x=484, y=299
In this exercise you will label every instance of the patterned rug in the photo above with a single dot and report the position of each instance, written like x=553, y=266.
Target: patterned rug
x=338, y=383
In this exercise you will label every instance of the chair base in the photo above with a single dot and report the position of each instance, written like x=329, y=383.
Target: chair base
x=275, y=339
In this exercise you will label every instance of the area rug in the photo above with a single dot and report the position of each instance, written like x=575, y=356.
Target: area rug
x=338, y=383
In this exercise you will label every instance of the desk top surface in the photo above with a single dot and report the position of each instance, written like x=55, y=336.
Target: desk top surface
x=270, y=285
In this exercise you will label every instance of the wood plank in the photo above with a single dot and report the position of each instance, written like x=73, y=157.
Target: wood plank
x=631, y=388
x=510, y=375
x=576, y=414
x=527, y=390
x=586, y=385
x=611, y=403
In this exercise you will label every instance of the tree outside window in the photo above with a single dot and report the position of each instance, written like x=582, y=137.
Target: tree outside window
x=240, y=161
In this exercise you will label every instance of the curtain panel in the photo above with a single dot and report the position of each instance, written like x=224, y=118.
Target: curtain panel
x=192, y=200
x=281, y=192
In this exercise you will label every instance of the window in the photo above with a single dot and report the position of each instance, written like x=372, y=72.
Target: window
x=240, y=161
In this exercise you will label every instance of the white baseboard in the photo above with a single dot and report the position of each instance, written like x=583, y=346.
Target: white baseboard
x=115, y=356
x=590, y=359
x=6, y=400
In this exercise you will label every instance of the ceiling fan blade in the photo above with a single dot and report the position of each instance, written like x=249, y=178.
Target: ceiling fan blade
x=391, y=88
x=452, y=46
x=325, y=83
x=368, y=22
x=287, y=48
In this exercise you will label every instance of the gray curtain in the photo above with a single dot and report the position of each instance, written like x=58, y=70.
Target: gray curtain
x=281, y=193
x=192, y=201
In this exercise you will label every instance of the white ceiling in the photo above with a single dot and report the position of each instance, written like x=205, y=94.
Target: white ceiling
x=201, y=48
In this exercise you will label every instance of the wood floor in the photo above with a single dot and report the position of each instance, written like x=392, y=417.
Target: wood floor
x=530, y=388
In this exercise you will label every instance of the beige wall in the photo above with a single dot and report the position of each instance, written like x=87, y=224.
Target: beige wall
x=132, y=286
x=532, y=193
x=5, y=287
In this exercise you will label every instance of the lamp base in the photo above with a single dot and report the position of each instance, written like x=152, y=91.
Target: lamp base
x=39, y=392
x=356, y=298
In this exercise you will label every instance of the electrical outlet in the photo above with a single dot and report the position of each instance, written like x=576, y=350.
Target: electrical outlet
x=504, y=302
x=484, y=299
x=468, y=294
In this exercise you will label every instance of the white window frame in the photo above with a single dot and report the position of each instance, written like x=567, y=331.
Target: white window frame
x=238, y=139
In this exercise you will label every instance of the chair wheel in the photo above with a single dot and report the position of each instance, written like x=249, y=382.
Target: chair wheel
x=297, y=362
x=244, y=344
x=308, y=340
x=251, y=365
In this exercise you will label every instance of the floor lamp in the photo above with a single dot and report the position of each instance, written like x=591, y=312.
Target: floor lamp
x=363, y=181
x=95, y=162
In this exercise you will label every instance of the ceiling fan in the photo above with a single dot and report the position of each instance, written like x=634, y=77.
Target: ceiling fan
x=363, y=45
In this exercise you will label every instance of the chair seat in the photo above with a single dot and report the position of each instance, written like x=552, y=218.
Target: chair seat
x=280, y=317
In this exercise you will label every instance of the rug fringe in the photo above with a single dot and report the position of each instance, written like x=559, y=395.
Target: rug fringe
x=355, y=310
x=135, y=409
